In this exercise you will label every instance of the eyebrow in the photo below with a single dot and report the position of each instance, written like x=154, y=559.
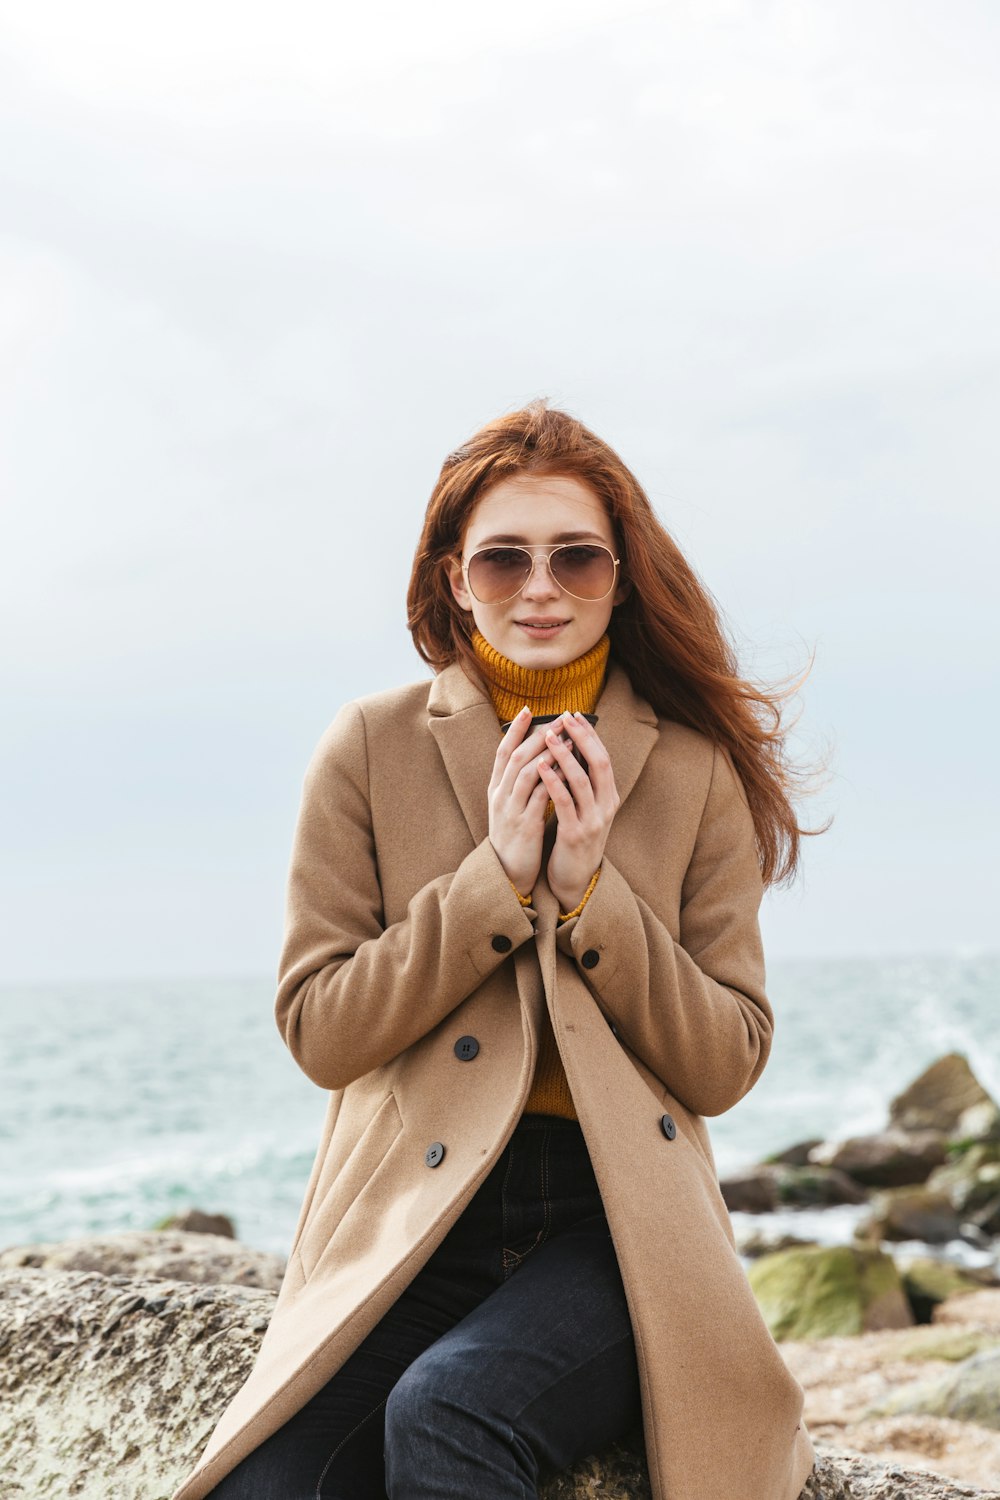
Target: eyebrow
x=564, y=536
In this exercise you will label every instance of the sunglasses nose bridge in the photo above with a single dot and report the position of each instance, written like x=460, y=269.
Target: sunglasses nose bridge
x=545, y=558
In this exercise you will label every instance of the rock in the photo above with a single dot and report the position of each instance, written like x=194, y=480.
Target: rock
x=112, y=1386
x=109, y=1386
x=617, y=1473
x=758, y=1242
x=970, y=1179
x=194, y=1221
x=947, y=1096
x=753, y=1191
x=981, y=1122
x=846, y=1476
x=927, y=1283
x=911, y=1213
x=979, y=1309
x=843, y=1377
x=969, y=1393
x=987, y=1218
x=841, y=1289
x=763, y=1188
x=817, y=1187
x=891, y=1158
x=939, y=1341
x=793, y=1156
x=154, y=1253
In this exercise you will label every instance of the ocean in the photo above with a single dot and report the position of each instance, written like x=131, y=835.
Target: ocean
x=122, y=1102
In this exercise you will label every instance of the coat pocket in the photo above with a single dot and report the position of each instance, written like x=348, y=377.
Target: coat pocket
x=362, y=1162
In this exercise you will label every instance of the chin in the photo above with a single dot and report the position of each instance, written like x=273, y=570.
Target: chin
x=527, y=653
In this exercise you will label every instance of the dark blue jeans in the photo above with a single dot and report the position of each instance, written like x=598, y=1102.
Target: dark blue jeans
x=507, y=1358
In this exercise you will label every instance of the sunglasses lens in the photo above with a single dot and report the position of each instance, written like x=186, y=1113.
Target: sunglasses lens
x=498, y=573
x=584, y=571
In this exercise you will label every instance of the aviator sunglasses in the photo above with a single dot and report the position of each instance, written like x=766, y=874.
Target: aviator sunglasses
x=585, y=570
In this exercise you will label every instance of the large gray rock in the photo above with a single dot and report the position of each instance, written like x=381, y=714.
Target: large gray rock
x=171, y=1254
x=110, y=1386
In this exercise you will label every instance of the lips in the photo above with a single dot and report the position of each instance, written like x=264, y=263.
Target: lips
x=542, y=624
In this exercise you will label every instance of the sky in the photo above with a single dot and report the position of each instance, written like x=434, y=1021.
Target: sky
x=262, y=267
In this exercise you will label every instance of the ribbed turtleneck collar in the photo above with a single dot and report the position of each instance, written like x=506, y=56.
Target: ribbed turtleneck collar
x=573, y=688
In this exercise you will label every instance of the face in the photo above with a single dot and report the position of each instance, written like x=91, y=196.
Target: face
x=542, y=626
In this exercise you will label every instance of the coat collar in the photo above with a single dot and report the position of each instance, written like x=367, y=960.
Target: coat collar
x=464, y=723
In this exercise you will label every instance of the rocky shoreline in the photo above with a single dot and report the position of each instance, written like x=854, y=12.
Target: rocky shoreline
x=119, y=1351
x=928, y=1186
x=932, y=1175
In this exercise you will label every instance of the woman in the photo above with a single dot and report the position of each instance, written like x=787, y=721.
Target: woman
x=526, y=964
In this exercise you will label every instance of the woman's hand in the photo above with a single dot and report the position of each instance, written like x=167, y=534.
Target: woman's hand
x=517, y=801
x=585, y=804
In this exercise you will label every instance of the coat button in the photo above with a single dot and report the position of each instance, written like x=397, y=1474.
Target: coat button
x=466, y=1048
x=502, y=944
x=434, y=1155
x=668, y=1127
x=591, y=959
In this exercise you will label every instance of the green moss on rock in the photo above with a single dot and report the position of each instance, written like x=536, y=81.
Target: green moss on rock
x=816, y=1292
x=944, y=1342
x=969, y=1393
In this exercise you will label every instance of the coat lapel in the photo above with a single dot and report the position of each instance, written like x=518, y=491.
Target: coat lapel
x=464, y=724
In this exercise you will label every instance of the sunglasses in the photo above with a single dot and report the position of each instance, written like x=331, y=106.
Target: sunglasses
x=585, y=570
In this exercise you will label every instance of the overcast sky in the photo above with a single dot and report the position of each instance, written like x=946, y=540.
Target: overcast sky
x=262, y=266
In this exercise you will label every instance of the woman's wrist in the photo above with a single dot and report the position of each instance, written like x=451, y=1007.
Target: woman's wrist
x=566, y=912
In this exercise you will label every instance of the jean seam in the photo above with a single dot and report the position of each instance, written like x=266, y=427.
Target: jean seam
x=508, y=1258
x=343, y=1441
x=543, y=1233
x=511, y=1258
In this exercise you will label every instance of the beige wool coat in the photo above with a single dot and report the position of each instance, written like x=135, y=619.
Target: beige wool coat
x=403, y=934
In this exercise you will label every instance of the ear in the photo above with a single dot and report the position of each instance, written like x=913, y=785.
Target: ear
x=456, y=579
x=622, y=592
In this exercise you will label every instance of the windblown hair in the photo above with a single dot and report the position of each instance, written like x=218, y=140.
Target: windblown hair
x=667, y=634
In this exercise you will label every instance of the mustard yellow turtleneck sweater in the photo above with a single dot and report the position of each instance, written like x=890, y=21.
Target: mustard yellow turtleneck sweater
x=574, y=688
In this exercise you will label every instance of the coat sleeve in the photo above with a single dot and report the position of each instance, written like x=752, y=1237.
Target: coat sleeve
x=353, y=993
x=694, y=1011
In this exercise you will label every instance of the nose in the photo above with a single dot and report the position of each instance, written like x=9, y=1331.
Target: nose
x=540, y=583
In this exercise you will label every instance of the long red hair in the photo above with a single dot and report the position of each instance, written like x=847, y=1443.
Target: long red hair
x=667, y=634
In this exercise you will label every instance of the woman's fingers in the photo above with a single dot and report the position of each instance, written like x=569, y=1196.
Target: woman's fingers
x=573, y=774
x=515, y=770
x=599, y=772
x=513, y=737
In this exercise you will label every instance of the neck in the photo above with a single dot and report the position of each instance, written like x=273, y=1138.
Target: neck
x=573, y=688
